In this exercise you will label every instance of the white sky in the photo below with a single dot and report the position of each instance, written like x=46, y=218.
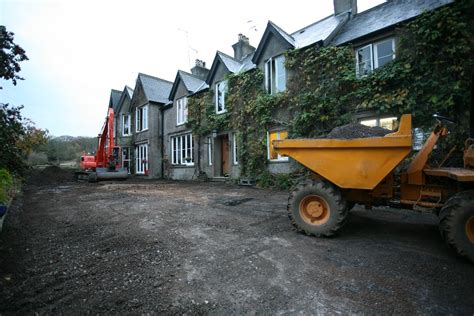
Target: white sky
x=79, y=50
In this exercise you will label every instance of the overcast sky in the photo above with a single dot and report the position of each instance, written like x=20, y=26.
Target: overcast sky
x=79, y=50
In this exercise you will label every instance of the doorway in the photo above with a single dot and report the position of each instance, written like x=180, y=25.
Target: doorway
x=224, y=165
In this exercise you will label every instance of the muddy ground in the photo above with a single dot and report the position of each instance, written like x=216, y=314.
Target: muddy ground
x=141, y=246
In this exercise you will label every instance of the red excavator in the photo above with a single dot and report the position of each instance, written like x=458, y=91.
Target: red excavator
x=106, y=163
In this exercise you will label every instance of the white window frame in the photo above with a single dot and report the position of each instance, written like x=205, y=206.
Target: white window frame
x=222, y=99
x=270, y=76
x=376, y=54
x=179, y=153
x=374, y=58
x=141, y=159
x=235, y=158
x=181, y=111
x=141, y=118
x=376, y=119
x=279, y=157
x=126, y=118
x=209, y=150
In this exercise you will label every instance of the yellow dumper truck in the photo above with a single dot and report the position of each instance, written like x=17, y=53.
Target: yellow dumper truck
x=362, y=171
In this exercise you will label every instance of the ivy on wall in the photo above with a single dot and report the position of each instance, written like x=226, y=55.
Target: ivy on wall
x=432, y=73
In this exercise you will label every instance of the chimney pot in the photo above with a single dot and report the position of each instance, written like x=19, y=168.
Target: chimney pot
x=242, y=48
x=342, y=6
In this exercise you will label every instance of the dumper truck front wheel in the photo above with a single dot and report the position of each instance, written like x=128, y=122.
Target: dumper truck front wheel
x=317, y=208
x=456, y=223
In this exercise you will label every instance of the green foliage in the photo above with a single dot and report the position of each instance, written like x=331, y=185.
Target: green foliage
x=11, y=130
x=276, y=181
x=321, y=92
x=18, y=137
x=6, y=183
x=432, y=72
x=11, y=55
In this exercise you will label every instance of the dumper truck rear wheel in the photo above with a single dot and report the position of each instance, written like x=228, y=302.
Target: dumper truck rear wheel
x=317, y=208
x=456, y=223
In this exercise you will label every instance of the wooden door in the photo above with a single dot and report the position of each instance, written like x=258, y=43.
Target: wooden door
x=225, y=156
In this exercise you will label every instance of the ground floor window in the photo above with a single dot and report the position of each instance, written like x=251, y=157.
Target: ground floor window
x=209, y=150
x=126, y=158
x=182, y=150
x=234, y=149
x=385, y=122
x=141, y=160
x=271, y=136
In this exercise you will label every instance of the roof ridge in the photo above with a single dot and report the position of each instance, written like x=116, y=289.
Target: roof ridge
x=280, y=29
x=387, y=2
x=318, y=21
x=150, y=76
x=219, y=52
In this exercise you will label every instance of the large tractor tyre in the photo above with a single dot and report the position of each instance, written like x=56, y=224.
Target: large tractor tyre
x=317, y=208
x=456, y=223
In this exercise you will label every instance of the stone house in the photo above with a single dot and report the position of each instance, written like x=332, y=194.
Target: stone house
x=123, y=126
x=372, y=35
x=219, y=150
x=165, y=147
x=147, y=105
x=180, y=145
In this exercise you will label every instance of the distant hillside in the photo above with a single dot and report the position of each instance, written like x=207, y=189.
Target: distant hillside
x=63, y=148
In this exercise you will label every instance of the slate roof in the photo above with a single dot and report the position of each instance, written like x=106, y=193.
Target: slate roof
x=114, y=98
x=233, y=65
x=192, y=83
x=383, y=16
x=156, y=89
x=127, y=92
x=320, y=31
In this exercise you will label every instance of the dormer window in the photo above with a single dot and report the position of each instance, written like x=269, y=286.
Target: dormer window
x=221, y=91
x=182, y=111
x=275, y=75
x=374, y=55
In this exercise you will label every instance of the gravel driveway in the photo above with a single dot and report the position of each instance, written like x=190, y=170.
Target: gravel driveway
x=143, y=246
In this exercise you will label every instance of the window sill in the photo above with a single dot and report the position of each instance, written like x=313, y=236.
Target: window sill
x=181, y=124
x=143, y=130
x=221, y=112
x=182, y=166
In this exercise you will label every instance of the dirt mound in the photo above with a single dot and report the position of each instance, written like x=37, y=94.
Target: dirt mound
x=50, y=175
x=355, y=130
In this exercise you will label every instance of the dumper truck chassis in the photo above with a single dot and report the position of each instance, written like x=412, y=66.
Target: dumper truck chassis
x=362, y=171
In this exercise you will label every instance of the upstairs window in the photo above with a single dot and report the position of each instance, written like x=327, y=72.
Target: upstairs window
x=126, y=131
x=182, y=111
x=275, y=75
x=272, y=153
x=141, y=118
x=221, y=91
x=374, y=55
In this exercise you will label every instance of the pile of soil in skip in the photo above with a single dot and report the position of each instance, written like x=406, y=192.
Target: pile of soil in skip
x=50, y=175
x=354, y=130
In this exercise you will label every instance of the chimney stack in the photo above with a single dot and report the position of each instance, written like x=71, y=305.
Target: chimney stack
x=200, y=70
x=342, y=6
x=242, y=48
